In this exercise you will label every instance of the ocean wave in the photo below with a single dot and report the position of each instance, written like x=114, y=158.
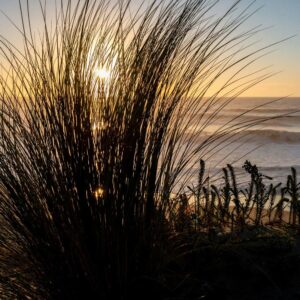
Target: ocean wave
x=265, y=110
x=270, y=120
x=274, y=169
x=233, y=117
x=259, y=136
x=274, y=136
x=275, y=175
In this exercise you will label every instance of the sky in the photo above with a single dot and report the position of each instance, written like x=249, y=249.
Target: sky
x=282, y=16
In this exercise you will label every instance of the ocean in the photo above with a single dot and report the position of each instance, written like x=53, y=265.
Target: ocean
x=273, y=144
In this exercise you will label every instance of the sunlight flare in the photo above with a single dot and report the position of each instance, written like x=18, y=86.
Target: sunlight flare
x=99, y=193
x=102, y=73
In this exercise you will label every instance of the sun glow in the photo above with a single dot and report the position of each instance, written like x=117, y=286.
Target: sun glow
x=99, y=193
x=102, y=73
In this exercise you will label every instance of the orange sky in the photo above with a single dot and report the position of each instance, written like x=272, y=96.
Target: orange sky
x=284, y=16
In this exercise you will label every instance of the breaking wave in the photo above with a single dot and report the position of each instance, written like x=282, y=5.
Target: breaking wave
x=273, y=136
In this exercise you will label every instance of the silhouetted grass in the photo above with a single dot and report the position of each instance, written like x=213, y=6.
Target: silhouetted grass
x=89, y=166
x=233, y=206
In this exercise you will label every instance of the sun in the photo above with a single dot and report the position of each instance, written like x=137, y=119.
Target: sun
x=102, y=73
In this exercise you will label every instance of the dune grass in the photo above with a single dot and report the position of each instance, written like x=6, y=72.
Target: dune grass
x=89, y=164
x=233, y=206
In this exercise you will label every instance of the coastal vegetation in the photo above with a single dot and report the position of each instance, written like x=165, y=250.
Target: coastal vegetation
x=96, y=198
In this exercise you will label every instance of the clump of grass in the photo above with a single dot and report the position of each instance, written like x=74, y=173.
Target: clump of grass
x=88, y=164
x=255, y=204
x=292, y=189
